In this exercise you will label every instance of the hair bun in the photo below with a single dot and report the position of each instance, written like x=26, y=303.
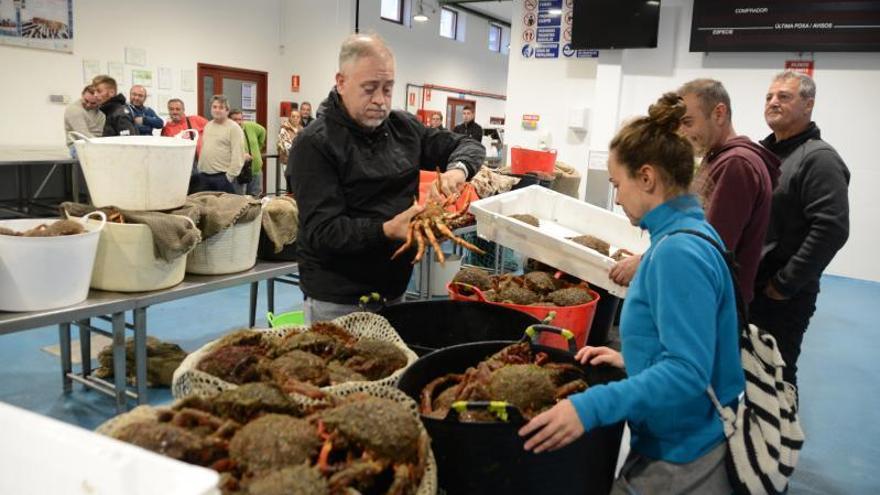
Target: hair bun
x=667, y=112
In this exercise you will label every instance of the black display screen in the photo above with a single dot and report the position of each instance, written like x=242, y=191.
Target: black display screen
x=785, y=26
x=609, y=24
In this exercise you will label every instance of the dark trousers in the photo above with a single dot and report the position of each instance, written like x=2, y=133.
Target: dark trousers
x=787, y=321
x=215, y=182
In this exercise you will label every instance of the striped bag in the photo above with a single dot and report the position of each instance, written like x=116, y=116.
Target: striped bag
x=764, y=435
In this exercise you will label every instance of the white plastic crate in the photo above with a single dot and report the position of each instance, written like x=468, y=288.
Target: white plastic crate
x=41, y=455
x=560, y=217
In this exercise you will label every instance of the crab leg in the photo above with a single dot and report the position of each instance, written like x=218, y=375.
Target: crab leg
x=429, y=232
x=420, y=241
x=458, y=240
x=407, y=244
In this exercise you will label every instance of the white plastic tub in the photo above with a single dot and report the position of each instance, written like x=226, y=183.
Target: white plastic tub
x=126, y=261
x=233, y=250
x=43, y=456
x=40, y=273
x=560, y=217
x=137, y=172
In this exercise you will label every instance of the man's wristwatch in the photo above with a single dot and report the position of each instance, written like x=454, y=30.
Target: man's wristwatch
x=459, y=166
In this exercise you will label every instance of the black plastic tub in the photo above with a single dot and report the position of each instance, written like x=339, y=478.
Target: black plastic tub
x=426, y=326
x=266, y=250
x=480, y=458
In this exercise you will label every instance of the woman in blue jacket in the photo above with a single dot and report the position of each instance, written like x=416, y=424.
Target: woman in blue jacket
x=678, y=328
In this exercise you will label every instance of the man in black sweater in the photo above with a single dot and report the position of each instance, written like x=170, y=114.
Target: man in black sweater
x=469, y=127
x=120, y=121
x=355, y=171
x=809, y=217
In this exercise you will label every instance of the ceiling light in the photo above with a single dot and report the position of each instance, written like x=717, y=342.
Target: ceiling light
x=420, y=15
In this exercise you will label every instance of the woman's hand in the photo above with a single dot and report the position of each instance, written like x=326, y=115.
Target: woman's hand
x=599, y=355
x=553, y=429
x=623, y=272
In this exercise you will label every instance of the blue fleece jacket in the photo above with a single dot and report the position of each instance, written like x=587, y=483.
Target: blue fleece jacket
x=151, y=120
x=678, y=334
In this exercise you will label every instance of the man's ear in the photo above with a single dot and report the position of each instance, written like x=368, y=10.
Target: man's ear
x=340, y=81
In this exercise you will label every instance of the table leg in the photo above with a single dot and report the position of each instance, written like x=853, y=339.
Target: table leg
x=270, y=295
x=252, y=315
x=66, y=366
x=277, y=176
x=74, y=181
x=119, y=379
x=85, y=347
x=140, y=353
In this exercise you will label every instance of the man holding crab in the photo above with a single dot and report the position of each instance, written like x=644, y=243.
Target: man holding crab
x=355, y=173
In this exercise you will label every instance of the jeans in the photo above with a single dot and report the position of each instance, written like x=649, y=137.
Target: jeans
x=254, y=187
x=316, y=310
x=787, y=321
x=215, y=182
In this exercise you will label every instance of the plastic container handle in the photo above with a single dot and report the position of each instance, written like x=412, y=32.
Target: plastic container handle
x=534, y=331
x=194, y=132
x=78, y=136
x=100, y=214
x=502, y=410
x=477, y=291
x=372, y=297
x=270, y=318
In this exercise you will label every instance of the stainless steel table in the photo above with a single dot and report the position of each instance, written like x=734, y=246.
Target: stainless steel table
x=99, y=304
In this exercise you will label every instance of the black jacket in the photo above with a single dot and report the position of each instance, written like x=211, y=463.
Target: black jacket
x=307, y=120
x=349, y=180
x=809, y=218
x=470, y=129
x=119, y=117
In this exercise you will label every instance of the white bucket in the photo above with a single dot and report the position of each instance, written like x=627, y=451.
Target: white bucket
x=137, y=172
x=40, y=273
x=126, y=261
x=233, y=250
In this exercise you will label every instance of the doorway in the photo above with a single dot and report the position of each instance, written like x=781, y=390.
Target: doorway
x=245, y=89
x=454, y=108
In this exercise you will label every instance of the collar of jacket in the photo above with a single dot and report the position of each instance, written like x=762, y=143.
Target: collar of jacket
x=786, y=146
x=118, y=99
x=336, y=112
x=660, y=218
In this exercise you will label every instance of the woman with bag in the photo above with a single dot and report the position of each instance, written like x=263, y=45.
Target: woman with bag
x=679, y=329
x=290, y=129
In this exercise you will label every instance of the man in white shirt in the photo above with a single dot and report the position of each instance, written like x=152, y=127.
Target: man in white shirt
x=223, y=152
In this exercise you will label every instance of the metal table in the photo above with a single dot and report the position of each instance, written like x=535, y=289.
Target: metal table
x=116, y=304
x=23, y=158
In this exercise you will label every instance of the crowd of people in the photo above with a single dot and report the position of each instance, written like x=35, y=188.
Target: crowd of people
x=229, y=149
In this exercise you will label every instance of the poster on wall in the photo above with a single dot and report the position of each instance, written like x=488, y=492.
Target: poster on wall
x=44, y=24
x=248, y=96
x=546, y=31
x=142, y=77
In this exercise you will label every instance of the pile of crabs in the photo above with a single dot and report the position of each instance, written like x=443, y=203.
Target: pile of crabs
x=515, y=374
x=537, y=288
x=264, y=442
x=302, y=361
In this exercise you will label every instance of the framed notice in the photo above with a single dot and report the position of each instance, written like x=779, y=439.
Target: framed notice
x=44, y=24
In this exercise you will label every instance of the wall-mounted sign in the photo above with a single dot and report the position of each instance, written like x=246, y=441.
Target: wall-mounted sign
x=294, y=83
x=802, y=66
x=530, y=121
x=546, y=25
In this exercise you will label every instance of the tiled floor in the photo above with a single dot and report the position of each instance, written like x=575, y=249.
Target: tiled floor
x=839, y=373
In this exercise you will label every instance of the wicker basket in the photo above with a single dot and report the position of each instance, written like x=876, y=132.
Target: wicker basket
x=428, y=485
x=189, y=381
x=233, y=250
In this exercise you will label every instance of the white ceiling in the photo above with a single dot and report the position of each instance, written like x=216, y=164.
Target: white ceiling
x=500, y=9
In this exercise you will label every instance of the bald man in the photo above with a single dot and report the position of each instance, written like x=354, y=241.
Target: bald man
x=144, y=117
x=355, y=171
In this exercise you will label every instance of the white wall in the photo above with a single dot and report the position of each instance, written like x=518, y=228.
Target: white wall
x=549, y=88
x=845, y=106
x=424, y=57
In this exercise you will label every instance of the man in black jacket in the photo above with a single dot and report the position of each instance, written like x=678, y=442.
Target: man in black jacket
x=469, y=127
x=809, y=217
x=120, y=121
x=355, y=172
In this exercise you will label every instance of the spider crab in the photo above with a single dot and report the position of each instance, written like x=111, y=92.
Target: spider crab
x=514, y=374
x=434, y=225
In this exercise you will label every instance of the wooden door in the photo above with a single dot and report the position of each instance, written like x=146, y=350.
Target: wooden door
x=454, y=108
x=245, y=89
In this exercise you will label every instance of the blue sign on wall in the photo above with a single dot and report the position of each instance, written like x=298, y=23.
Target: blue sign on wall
x=547, y=51
x=548, y=35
